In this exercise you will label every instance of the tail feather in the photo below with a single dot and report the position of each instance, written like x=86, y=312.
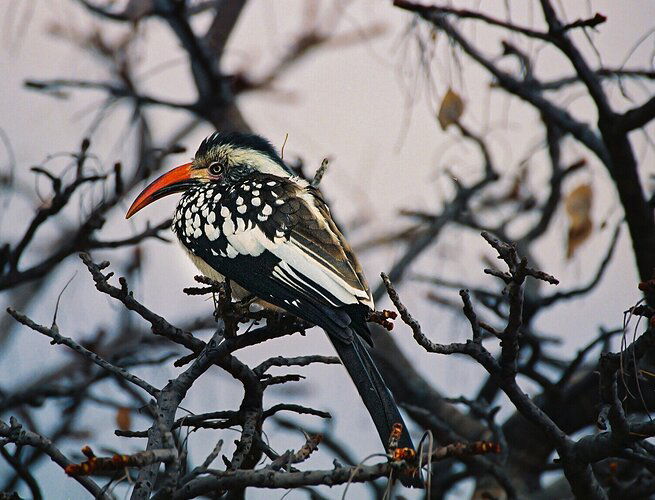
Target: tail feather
x=375, y=394
x=346, y=328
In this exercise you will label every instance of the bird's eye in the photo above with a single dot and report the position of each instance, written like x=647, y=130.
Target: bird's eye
x=215, y=168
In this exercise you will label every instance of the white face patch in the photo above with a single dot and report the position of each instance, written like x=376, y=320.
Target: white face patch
x=261, y=162
x=242, y=209
x=256, y=202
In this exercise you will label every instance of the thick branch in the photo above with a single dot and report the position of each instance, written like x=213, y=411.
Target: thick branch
x=637, y=117
x=560, y=38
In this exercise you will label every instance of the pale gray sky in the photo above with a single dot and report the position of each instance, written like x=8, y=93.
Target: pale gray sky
x=370, y=108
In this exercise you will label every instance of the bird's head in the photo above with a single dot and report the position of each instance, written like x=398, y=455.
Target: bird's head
x=223, y=159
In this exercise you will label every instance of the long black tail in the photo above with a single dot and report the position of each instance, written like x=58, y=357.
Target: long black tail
x=375, y=394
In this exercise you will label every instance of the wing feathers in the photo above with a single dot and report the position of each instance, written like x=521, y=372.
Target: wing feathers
x=297, y=229
x=298, y=264
x=286, y=220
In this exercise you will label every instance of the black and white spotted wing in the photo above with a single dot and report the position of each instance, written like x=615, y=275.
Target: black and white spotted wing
x=275, y=238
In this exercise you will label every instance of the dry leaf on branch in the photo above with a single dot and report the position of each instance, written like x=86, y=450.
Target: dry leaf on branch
x=578, y=209
x=451, y=109
x=123, y=418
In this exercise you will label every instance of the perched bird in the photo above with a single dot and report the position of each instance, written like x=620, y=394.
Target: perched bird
x=246, y=216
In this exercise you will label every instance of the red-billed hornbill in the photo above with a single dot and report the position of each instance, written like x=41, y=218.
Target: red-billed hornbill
x=246, y=216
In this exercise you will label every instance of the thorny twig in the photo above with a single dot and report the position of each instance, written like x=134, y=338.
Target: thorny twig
x=95, y=465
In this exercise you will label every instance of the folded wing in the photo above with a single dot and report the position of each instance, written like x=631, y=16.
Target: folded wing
x=277, y=239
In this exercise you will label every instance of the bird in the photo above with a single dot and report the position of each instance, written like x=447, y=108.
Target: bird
x=246, y=216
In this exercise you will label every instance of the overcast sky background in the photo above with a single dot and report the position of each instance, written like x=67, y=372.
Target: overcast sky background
x=370, y=109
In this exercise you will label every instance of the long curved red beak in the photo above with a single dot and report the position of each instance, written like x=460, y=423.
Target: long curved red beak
x=171, y=182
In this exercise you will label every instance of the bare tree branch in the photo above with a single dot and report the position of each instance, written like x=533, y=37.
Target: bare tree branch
x=14, y=433
x=57, y=338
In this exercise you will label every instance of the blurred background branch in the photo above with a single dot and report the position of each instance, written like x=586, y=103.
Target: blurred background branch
x=524, y=123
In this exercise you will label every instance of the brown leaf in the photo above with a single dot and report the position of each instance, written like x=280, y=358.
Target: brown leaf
x=451, y=109
x=123, y=418
x=578, y=208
